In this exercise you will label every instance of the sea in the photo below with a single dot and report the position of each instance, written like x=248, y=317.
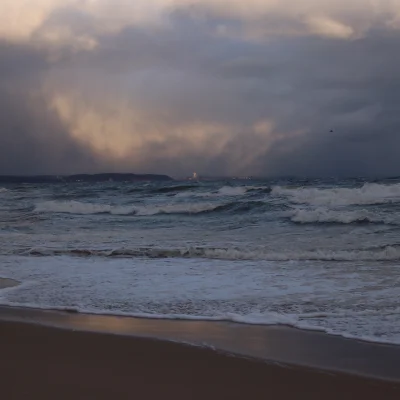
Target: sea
x=312, y=254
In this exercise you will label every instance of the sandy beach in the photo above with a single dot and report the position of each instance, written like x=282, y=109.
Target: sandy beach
x=52, y=363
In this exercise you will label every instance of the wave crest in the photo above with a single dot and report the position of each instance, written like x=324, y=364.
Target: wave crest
x=77, y=207
x=369, y=193
x=387, y=253
x=323, y=215
x=178, y=208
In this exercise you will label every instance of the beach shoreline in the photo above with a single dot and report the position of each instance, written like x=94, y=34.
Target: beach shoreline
x=271, y=344
x=48, y=362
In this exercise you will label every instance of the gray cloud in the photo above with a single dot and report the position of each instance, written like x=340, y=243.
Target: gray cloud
x=350, y=87
x=181, y=82
x=32, y=138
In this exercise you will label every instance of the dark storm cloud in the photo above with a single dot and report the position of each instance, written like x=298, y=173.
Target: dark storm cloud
x=32, y=139
x=305, y=86
x=352, y=88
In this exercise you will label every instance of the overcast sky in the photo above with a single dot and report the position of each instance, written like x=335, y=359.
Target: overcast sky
x=220, y=87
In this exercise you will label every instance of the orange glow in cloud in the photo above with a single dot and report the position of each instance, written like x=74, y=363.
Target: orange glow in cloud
x=41, y=20
x=118, y=131
x=122, y=133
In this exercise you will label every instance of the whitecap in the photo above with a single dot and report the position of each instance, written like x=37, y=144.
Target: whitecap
x=370, y=193
x=324, y=215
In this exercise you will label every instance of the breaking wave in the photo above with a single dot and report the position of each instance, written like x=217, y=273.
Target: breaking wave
x=76, y=207
x=3, y=190
x=369, y=193
x=386, y=253
x=323, y=215
x=239, y=207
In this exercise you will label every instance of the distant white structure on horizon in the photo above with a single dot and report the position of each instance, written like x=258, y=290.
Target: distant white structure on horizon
x=195, y=177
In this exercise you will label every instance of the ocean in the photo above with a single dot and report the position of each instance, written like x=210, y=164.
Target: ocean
x=312, y=254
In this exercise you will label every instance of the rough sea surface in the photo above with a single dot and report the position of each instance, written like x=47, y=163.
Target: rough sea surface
x=312, y=254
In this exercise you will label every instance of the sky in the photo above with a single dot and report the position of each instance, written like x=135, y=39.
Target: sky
x=220, y=87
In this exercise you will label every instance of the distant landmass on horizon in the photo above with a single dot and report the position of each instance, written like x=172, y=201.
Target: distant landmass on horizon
x=105, y=177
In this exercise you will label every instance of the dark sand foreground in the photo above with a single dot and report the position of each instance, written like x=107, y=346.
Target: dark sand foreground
x=38, y=362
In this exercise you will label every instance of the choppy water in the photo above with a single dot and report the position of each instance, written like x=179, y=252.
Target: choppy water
x=313, y=254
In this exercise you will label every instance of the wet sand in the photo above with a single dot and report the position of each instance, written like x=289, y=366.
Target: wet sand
x=7, y=283
x=52, y=363
x=281, y=344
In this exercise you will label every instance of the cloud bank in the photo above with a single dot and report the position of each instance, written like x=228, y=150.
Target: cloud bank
x=222, y=87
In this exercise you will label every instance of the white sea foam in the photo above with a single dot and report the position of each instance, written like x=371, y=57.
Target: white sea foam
x=76, y=207
x=388, y=253
x=324, y=215
x=3, y=190
x=267, y=318
x=341, y=297
x=261, y=319
x=370, y=193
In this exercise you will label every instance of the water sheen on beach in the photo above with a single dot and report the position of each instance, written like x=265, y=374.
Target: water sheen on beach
x=312, y=254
